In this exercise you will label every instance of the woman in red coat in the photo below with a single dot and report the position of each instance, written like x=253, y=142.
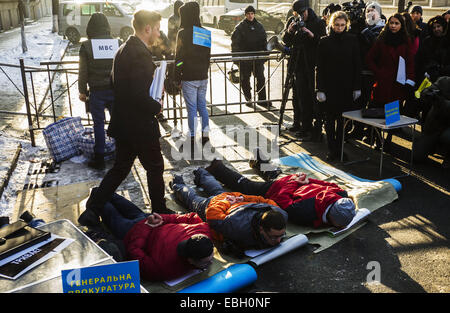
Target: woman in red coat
x=383, y=60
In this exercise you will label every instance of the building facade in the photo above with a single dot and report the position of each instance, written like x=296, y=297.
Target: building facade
x=35, y=9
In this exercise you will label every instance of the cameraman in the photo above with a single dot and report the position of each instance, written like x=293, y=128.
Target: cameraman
x=302, y=33
x=367, y=29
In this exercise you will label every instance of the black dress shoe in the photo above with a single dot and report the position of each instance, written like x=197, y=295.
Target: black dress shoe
x=89, y=218
x=214, y=164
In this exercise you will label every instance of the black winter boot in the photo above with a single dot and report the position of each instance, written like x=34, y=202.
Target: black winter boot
x=98, y=162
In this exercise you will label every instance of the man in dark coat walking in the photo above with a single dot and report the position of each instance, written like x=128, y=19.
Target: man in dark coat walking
x=250, y=35
x=133, y=124
x=304, y=41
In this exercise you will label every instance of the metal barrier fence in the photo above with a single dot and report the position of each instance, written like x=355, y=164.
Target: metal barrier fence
x=224, y=97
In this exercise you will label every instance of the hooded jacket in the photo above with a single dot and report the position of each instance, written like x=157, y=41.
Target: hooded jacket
x=156, y=247
x=94, y=73
x=191, y=60
x=173, y=24
x=305, y=204
x=239, y=222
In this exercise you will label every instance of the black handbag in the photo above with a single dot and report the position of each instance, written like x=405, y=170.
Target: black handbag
x=19, y=236
x=373, y=113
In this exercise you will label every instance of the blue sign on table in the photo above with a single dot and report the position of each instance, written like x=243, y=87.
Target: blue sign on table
x=111, y=278
x=392, y=112
x=201, y=37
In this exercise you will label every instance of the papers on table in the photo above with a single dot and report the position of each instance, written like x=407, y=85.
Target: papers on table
x=157, y=87
x=401, y=71
x=18, y=264
x=361, y=214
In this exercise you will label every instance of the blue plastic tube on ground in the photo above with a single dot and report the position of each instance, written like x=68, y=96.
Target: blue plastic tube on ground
x=231, y=279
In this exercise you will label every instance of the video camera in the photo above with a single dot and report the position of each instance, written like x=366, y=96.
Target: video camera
x=299, y=23
x=354, y=10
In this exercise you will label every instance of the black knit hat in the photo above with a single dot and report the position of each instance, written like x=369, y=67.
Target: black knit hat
x=417, y=9
x=249, y=8
x=197, y=247
x=300, y=5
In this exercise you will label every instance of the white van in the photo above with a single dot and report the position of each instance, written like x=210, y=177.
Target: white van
x=74, y=16
x=211, y=10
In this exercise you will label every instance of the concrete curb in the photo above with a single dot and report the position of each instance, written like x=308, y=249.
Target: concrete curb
x=8, y=166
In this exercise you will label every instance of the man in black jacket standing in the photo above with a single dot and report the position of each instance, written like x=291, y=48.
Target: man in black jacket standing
x=250, y=35
x=133, y=124
x=302, y=34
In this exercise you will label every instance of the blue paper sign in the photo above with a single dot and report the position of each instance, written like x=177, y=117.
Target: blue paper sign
x=111, y=278
x=201, y=37
x=392, y=112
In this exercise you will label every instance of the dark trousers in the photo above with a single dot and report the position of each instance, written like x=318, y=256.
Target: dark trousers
x=237, y=182
x=98, y=101
x=189, y=197
x=245, y=71
x=149, y=153
x=427, y=144
x=333, y=128
x=305, y=98
x=120, y=215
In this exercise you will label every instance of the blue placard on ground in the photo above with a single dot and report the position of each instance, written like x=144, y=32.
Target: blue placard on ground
x=392, y=112
x=201, y=37
x=111, y=278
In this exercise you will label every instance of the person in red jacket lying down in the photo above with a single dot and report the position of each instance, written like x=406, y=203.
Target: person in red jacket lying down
x=308, y=202
x=167, y=246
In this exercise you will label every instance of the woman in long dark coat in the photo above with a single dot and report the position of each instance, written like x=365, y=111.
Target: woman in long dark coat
x=383, y=60
x=338, y=81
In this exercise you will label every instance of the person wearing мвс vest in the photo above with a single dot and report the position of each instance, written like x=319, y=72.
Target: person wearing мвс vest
x=96, y=73
x=133, y=124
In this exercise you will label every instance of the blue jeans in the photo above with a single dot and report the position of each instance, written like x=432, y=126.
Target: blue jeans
x=194, y=94
x=191, y=200
x=120, y=215
x=98, y=101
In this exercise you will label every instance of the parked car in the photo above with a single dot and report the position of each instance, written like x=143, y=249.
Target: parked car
x=228, y=21
x=74, y=16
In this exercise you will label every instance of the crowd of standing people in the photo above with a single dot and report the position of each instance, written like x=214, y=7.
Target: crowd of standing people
x=339, y=67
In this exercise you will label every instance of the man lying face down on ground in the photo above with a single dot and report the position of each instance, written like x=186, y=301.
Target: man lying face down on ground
x=238, y=221
x=167, y=246
x=308, y=202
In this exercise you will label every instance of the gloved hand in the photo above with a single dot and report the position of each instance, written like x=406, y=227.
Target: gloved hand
x=356, y=94
x=321, y=97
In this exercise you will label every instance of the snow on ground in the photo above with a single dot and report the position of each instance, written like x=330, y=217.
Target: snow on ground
x=43, y=45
